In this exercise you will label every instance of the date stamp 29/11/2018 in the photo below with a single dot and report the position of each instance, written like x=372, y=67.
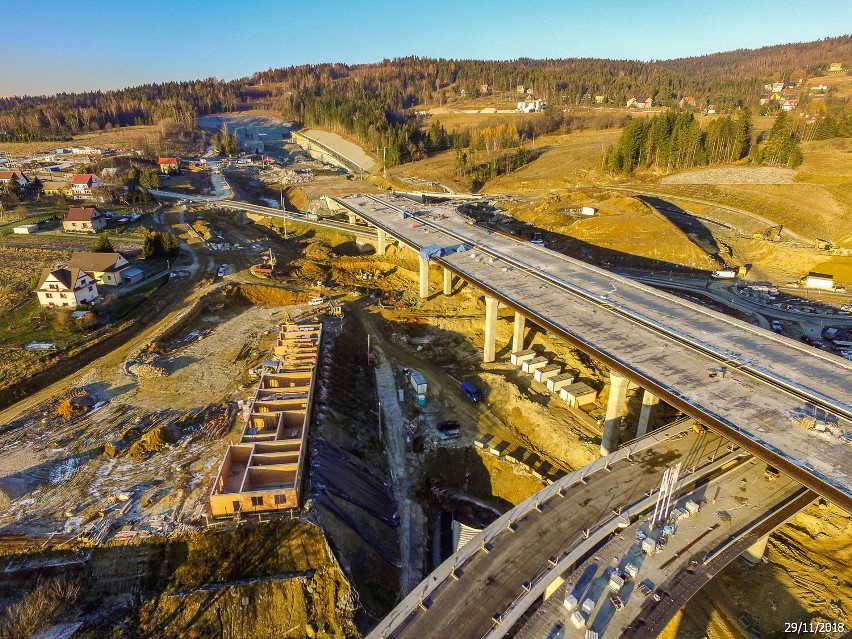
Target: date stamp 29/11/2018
x=817, y=628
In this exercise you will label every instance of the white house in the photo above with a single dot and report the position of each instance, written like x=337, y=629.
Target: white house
x=14, y=176
x=83, y=183
x=104, y=268
x=88, y=219
x=66, y=287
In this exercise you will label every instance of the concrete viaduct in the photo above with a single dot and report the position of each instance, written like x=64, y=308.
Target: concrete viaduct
x=754, y=387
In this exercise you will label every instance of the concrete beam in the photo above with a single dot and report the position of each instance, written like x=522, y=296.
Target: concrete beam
x=614, y=411
x=381, y=241
x=424, y=278
x=448, y=282
x=518, y=332
x=648, y=412
x=490, y=349
x=754, y=553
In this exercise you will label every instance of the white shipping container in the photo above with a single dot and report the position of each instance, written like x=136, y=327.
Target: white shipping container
x=520, y=357
x=534, y=364
x=560, y=381
x=588, y=606
x=570, y=602
x=649, y=546
x=615, y=582
x=545, y=373
x=692, y=507
x=578, y=619
x=418, y=382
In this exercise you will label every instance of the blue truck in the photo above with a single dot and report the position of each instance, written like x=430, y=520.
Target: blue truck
x=471, y=391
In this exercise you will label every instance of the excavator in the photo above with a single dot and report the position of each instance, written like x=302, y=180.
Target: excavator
x=772, y=234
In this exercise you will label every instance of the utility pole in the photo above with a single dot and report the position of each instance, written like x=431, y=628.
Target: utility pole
x=380, y=423
x=384, y=162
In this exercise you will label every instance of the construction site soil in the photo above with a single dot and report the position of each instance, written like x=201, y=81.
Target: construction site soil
x=136, y=458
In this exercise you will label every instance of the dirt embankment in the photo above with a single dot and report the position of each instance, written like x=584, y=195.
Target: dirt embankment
x=270, y=580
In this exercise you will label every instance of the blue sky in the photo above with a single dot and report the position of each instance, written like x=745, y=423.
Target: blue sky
x=47, y=46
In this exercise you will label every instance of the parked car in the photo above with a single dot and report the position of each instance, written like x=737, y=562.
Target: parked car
x=448, y=429
x=222, y=270
x=776, y=326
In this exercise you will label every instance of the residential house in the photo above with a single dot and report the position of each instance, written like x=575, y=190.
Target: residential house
x=599, y=99
x=835, y=67
x=639, y=102
x=520, y=89
x=789, y=105
x=820, y=88
x=104, y=268
x=775, y=96
x=777, y=87
x=688, y=101
x=169, y=166
x=14, y=176
x=66, y=287
x=83, y=183
x=86, y=219
x=56, y=187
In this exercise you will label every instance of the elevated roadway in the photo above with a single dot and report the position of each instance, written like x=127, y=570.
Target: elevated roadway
x=502, y=570
x=747, y=383
x=702, y=545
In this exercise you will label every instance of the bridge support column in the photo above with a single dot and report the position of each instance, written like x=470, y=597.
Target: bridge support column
x=518, y=332
x=424, y=278
x=490, y=349
x=352, y=218
x=648, y=412
x=448, y=282
x=614, y=411
x=381, y=242
x=754, y=553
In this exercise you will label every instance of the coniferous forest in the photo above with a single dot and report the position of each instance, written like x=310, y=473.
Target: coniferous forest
x=375, y=104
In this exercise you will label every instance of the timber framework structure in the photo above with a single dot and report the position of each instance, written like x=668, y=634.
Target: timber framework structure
x=263, y=471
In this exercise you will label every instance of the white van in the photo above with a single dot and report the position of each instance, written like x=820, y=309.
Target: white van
x=317, y=301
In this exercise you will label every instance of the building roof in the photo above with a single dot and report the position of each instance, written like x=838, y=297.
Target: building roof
x=167, y=161
x=65, y=276
x=82, y=214
x=10, y=175
x=83, y=178
x=95, y=262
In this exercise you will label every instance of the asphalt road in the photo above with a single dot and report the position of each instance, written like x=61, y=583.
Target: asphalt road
x=491, y=581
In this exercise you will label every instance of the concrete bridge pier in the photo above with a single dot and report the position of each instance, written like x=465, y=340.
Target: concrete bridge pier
x=448, y=282
x=352, y=217
x=381, y=242
x=424, y=278
x=754, y=553
x=490, y=349
x=518, y=332
x=614, y=411
x=648, y=412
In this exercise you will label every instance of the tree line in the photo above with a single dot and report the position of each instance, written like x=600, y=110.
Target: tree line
x=673, y=141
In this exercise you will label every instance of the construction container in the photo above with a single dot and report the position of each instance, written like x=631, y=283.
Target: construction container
x=578, y=619
x=554, y=384
x=546, y=372
x=588, y=606
x=520, y=357
x=679, y=513
x=616, y=583
x=570, y=602
x=692, y=507
x=649, y=546
x=483, y=441
x=532, y=365
x=418, y=382
x=591, y=634
x=578, y=394
x=631, y=570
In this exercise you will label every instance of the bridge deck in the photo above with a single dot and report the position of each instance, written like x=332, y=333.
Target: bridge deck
x=672, y=346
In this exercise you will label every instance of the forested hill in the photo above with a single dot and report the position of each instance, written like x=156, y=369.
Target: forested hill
x=371, y=100
x=778, y=62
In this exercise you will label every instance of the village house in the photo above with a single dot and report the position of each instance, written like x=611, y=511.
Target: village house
x=835, y=67
x=639, y=102
x=84, y=219
x=599, y=99
x=56, y=187
x=83, y=183
x=66, y=287
x=688, y=101
x=104, y=268
x=789, y=105
x=169, y=166
x=14, y=176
